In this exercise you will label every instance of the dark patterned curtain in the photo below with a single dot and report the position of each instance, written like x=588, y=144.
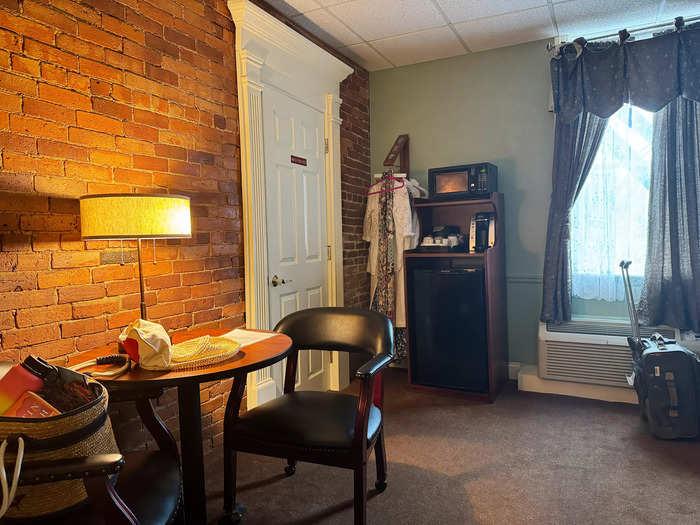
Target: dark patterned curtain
x=575, y=146
x=671, y=292
x=590, y=82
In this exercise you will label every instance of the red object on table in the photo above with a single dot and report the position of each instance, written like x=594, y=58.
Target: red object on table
x=15, y=383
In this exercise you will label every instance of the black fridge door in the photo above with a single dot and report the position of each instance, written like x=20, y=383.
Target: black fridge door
x=447, y=330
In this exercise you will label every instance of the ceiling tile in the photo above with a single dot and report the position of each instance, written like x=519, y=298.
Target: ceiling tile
x=670, y=9
x=328, y=28
x=421, y=46
x=463, y=10
x=374, y=19
x=294, y=7
x=367, y=57
x=326, y=3
x=507, y=30
x=595, y=17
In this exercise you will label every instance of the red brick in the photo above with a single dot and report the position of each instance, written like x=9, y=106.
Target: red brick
x=179, y=293
x=30, y=336
x=10, y=41
x=43, y=315
x=49, y=16
x=99, y=70
x=196, y=278
x=89, y=309
x=140, y=131
x=26, y=27
x=121, y=93
x=59, y=149
x=163, y=281
x=75, y=259
x=7, y=320
x=100, y=105
x=64, y=97
x=25, y=65
x=142, y=53
x=54, y=74
x=59, y=186
x=122, y=287
x=52, y=349
x=125, y=62
x=92, y=34
x=114, y=25
x=63, y=277
x=121, y=319
x=17, y=84
x=33, y=261
x=50, y=111
x=155, y=42
x=11, y=102
x=137, y=178
x=79, y=47
x=100, y=87
x=24, y=203
x=162, y=75
x=180, y=38
x=91, y=138
x=150, y=163
x=23, y=164
x=84, y=292
x=83, y=326
x=97, y=340
x=164, y=310
x=79, y=170
x=78, y=11
x=51, y=54
x=98, y=122
x=38, y=127
x=135, y=146
x=78, y=82
x=113, y=272
x=26, y=299
x=18, y=143
x=173, y=152
x=109, y=158
x=150, y=118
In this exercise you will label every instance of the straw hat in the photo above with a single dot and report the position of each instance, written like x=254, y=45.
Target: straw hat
x=148, y=344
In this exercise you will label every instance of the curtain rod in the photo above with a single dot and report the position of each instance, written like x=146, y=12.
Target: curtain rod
x=645, y=28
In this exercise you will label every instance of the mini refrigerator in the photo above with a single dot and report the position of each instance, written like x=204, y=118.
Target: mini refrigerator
x=447, y=315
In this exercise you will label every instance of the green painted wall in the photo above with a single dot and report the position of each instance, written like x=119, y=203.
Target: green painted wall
x=489, y=106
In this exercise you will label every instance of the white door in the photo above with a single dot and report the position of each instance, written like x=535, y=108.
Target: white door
x=296, y=223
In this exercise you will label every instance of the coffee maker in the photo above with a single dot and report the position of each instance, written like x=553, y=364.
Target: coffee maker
x=482, y=232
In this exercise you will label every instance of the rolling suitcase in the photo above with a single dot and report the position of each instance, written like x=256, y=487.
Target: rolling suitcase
x=665, y=376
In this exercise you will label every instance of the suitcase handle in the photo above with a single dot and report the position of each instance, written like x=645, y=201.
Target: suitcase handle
x=629, y=297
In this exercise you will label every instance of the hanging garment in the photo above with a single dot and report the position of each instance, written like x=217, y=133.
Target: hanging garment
x=388, y=228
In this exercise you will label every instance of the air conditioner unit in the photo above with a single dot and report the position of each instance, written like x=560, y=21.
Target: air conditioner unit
x=589, y=352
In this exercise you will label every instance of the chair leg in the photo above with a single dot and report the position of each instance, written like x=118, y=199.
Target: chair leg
x=380, y=456
x=361, y=494
x=291, y=467
x=231, y=513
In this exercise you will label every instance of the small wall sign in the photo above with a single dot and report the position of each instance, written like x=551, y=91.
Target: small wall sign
x=298, y=160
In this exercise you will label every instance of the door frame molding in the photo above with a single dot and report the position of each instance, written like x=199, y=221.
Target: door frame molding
x=271, y=54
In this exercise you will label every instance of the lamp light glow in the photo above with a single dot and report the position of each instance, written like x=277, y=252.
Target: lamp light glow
x=135, y=216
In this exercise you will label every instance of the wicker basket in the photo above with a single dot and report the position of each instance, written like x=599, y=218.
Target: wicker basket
x=81, y=432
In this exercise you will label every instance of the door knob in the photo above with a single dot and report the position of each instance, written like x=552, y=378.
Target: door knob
x=276, y=281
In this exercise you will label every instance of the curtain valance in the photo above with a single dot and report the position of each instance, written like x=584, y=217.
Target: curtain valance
x=600, y=77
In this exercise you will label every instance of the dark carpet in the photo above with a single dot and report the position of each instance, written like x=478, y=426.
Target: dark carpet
x=527, y=458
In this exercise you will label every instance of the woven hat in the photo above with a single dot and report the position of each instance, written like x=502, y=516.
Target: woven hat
x=148, y=344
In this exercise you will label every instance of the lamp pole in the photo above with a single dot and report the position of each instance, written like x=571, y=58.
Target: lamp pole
x=143, y=301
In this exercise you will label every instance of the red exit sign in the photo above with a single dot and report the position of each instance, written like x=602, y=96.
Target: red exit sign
x=298, y=160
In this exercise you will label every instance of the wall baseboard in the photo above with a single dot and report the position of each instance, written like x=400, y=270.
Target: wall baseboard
x=530, y=381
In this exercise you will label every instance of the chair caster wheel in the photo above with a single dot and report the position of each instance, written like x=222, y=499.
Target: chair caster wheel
x=289, y=470
x=380, y=486
x=230, y=519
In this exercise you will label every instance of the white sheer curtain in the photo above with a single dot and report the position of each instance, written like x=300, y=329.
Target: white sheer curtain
x=609, y=217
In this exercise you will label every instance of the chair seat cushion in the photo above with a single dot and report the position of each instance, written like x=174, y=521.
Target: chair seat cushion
x=149, y=484
x=307, y=419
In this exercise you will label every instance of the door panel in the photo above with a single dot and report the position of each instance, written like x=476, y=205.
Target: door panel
x=296, y=221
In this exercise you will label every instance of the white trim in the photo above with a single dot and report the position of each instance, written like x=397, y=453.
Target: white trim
x=530, y=381
x=513, y=370
x=270, y=54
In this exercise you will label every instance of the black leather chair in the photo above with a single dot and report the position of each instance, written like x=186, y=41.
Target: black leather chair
x=329, y=428
x=146, y=490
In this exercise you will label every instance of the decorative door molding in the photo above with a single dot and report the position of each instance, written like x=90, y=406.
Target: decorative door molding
x=271, y=55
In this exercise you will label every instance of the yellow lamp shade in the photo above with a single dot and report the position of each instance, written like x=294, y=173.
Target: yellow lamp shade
x=135, y=216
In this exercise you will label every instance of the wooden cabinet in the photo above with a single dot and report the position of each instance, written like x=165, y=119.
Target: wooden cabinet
x=456, y=305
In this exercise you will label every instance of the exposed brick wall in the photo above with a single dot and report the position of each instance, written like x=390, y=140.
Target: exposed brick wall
x=116, y=96
x=355, y=177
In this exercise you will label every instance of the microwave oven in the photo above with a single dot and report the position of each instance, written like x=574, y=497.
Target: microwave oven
x=468, y=181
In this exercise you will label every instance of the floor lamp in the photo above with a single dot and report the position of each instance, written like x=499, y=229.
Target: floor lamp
x=130, y=216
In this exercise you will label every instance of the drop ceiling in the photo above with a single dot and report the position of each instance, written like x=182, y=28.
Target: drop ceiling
x=381, y=34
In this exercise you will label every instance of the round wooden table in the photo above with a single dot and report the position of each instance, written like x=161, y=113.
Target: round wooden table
x=139, y=386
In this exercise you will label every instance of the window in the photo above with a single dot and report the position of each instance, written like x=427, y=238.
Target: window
x=609, y=217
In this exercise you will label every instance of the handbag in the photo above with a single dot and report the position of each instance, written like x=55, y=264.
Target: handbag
x=83, y=431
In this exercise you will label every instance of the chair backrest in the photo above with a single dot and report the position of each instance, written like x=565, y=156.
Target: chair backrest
x=341, y=329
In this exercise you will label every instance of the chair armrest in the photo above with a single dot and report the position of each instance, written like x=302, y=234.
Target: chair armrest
x=35, y=472
x=376, y=364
